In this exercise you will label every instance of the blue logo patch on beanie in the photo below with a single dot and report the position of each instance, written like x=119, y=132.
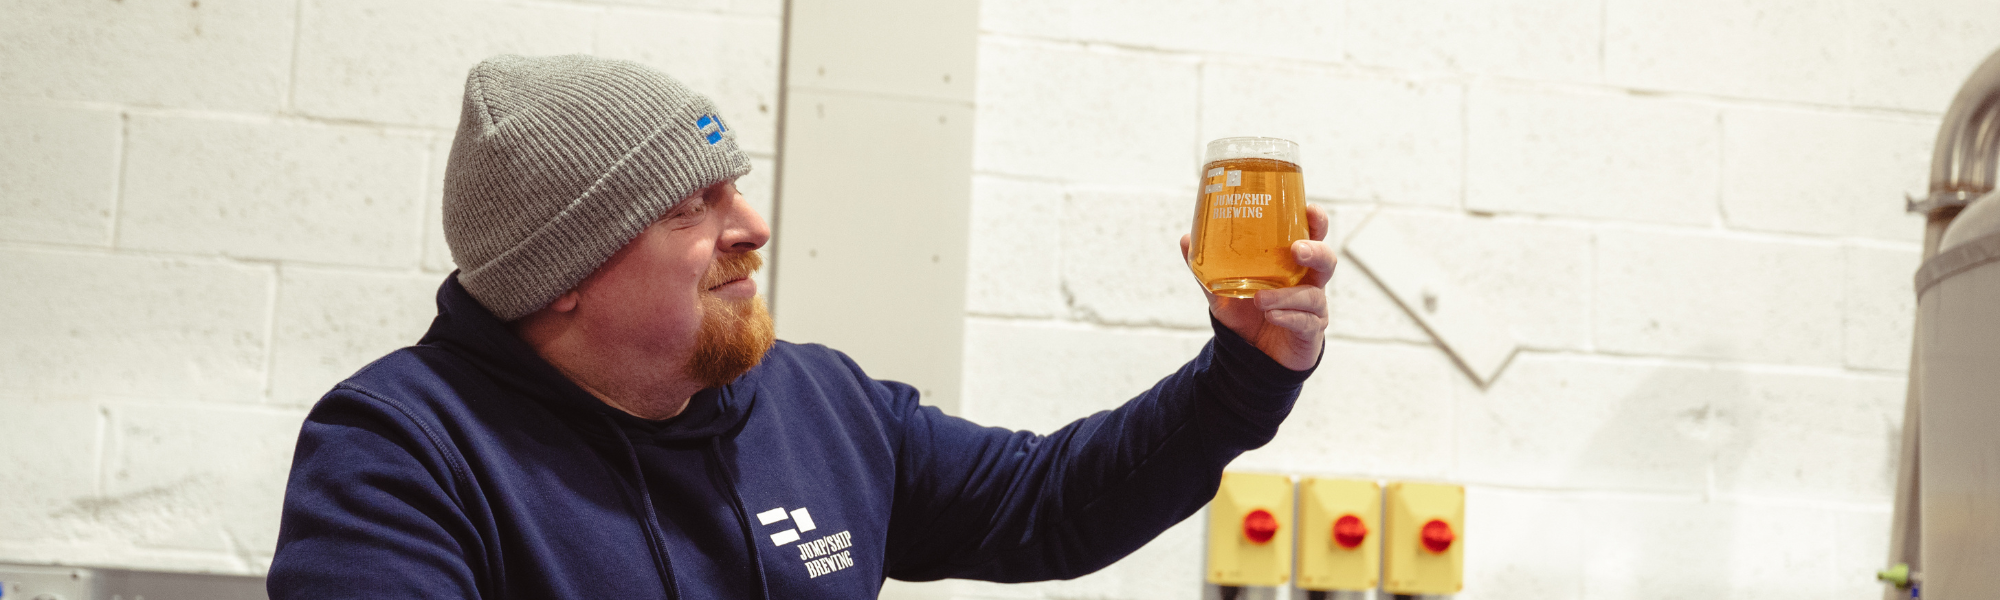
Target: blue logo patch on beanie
x=707, y=122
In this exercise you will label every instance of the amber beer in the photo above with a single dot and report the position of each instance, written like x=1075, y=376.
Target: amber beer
x=1249, y=210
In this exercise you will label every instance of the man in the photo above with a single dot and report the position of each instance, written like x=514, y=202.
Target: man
x=600, y=411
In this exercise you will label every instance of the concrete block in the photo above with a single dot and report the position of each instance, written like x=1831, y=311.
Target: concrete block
x=213, y=54
x=405, y=62
x=1294, y=29
x=129, y=326
x=1041, y=376
x=1121, y=259
x=1373, y=409
x=1667, y=548
x=1919, y=53
x=1360, y=139
x=1824, y=173
x=1861, y=548
x=1559, y=422
x=1715, y=297
x=732, y=60
x=331, y=323
x=437, y=253
x=1549, y=154
x=1522, y=546
x=1534, y=277
x=1556, y=41
x=1357, y=307
x=286, y=191
x=1813, y=437
x=61, y=173
x=1015, y=250
x=1791, y=50
x=193, y=478
x=1881, y=307
x=1086, y=115
x=48, y=462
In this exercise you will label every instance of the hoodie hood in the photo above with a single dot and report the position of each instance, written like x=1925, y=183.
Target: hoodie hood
x=464, y=327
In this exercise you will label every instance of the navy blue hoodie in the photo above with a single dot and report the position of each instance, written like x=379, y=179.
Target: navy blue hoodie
x=468, y=467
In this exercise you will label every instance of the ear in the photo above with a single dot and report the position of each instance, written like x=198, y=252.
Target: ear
x=565, y=302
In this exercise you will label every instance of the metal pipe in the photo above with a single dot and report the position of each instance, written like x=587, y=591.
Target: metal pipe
x=1963, y=165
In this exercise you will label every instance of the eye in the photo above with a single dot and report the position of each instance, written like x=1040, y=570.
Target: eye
x=688, y=213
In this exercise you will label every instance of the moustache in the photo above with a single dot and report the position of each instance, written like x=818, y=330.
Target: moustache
x=731, y=268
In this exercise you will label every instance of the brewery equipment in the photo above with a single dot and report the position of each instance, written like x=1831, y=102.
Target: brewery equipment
x=1945, y=537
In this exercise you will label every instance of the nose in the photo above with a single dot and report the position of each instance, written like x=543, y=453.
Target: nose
x=746, y=229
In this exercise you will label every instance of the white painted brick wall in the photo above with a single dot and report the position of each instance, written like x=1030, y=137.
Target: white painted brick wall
x=297, y=191
x=1689, y=215
x=1531, y=39
x=1089, y=115
x=1014, y=259
x=217, y=54
x=331, y=322
x=389, y=61
x=1881, y=307
x=51, y=462
x=1775, y=164
x=89, y=323
x=1719, y=297
x=1124, y=261
x=1543, y=153
x=212, y=210
x=1360, y=137
x=61, y=173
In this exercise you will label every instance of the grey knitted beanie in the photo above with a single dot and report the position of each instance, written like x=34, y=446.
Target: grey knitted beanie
x=562, y=160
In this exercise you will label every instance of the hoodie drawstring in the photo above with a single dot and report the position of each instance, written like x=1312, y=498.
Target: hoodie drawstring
x=742, y=517
x=653, y=529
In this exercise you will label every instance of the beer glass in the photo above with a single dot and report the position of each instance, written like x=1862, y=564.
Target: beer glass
x=1249, y=210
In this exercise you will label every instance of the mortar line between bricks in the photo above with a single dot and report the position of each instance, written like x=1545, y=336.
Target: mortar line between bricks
x=298, y=39
x=102, y=449
x=100, y=251
x=123, y=154
x=1721, y=364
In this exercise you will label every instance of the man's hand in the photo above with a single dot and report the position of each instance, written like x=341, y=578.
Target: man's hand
x=1288, y=324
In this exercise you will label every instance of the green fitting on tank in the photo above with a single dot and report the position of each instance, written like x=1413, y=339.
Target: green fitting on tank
x=1899, y=575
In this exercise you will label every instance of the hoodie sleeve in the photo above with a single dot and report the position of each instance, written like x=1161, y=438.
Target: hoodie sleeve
x=369, y=509
x=1009, y=506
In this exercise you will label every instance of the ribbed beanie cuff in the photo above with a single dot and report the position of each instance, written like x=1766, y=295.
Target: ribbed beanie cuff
x=560, y=161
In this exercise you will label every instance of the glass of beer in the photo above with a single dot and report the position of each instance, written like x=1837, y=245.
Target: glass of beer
x=1249, y=210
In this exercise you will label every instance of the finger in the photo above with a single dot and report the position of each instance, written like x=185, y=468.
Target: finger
x=1185, y=240
x=1300, y=298
x=1316, y=221
x=1318, y=257
x=1301, y=325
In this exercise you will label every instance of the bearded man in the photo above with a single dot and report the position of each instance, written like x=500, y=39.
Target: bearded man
x=599, y=409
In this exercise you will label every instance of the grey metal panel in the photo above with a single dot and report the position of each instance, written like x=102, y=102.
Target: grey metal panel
x=875, y=185
x=920, y=49
x=41, y=582
x=871, y=237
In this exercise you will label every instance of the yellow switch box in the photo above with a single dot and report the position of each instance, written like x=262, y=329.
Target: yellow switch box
x=1250, y=530
x=1424, y=549
x=1340, y=534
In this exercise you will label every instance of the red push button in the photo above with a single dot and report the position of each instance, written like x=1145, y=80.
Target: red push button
x=1349, y=531
x=1438, y=536
x=1260, y=526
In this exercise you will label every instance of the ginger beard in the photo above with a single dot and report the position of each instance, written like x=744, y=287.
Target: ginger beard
x=734, y=334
